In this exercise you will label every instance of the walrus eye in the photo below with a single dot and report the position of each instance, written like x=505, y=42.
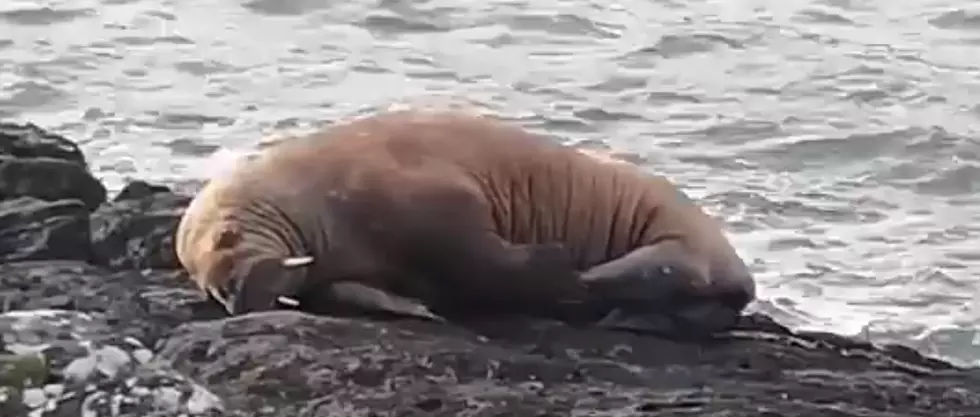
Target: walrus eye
x=666, y=270
x=297, y=261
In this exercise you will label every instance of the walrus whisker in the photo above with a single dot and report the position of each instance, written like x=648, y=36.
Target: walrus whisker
x=289, y=301
x=297, y=261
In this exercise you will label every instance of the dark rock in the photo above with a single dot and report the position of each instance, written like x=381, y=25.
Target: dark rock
x=135, y=230
x=132, y=336
x=43, y=165
x=30, y=141
x=290, y=363
x=139, y=190
x=33, y=229
x=48, y=179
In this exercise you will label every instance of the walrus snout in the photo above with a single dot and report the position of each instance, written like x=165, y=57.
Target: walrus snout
x=267, y=283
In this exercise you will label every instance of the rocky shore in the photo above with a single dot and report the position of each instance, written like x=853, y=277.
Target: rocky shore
x=98, y=321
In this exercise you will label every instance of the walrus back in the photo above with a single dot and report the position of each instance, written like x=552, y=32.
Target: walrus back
x=537, y=190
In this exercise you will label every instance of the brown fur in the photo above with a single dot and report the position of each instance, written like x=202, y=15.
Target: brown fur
x=375, y=198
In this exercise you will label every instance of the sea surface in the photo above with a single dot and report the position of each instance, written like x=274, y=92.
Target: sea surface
x=838, y=139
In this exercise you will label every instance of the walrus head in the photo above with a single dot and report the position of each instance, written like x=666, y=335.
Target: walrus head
x=670, y=288
x=246, y=277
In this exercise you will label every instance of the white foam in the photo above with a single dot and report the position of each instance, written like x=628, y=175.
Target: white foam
x=221, y=162
x=436, y=103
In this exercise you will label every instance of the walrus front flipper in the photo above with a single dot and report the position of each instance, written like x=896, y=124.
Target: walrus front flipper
x=372, y=299
x=450, y=238
x=524, y=275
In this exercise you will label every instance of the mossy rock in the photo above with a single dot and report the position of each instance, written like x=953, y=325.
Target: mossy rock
x=18, y=372
x=23, y=371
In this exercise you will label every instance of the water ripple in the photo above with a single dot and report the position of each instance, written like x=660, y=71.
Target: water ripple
x=837, y=139
x=42, y=16
x=957, y=19
x=283, y=7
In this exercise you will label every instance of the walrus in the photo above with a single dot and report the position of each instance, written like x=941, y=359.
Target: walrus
x=429, y=214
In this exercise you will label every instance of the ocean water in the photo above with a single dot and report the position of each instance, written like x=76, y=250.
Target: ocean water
x=836, y=138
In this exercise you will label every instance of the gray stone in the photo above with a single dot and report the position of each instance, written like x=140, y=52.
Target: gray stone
x=94, y=371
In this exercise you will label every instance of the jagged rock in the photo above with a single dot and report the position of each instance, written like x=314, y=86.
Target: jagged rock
x=139, y=189
x=43, y=165
x=135, y=230
x=36, y=229
x=31, y=141
x=140, y=304
x=290, y=363
x=98, y=326
x=96, y=372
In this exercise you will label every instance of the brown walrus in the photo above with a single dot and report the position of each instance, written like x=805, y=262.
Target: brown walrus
x=423, y=213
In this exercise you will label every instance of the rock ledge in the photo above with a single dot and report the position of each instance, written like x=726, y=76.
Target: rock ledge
x=99, y=320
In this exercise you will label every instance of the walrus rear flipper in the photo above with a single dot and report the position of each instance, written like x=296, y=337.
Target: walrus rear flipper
x=371, y=299
x=698, y=321
x=653, y=272
x=663, y=288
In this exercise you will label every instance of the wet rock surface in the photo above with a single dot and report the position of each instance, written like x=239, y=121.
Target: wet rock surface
x=136, y=229
x=98, y=320
x=33, y=229
x=36, y=163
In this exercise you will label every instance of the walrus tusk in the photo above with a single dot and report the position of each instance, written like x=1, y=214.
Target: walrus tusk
x=218, y=294
x=289, y=301
x=297, y=261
